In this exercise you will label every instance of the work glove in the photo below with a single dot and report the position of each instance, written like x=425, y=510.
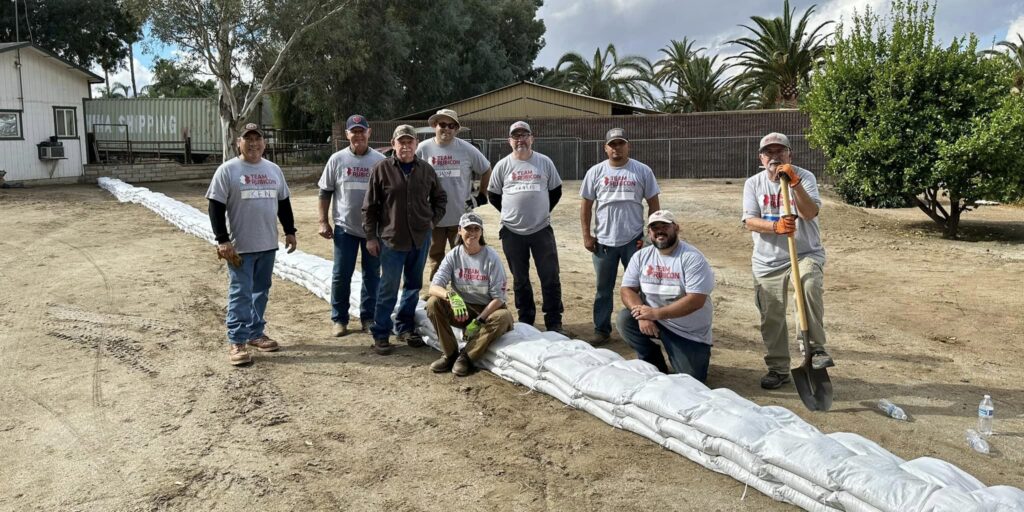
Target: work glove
x=235, y=260
x=785, y=225
x=790, y=172
x=472, y=330
x=458, y=305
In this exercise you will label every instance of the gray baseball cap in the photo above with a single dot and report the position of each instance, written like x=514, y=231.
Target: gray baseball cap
x=615, y=134
x=774, y=138
x=519, y=125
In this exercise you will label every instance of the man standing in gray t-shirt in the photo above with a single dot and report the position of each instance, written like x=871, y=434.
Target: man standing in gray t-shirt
x=618, y=186
x=343, y=185
x=762, y=216
x=525, y=187
x=457, y=164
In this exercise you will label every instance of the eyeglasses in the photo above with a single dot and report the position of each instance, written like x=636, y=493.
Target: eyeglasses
x=775, y=152
x=519, y=136
x=449, y=126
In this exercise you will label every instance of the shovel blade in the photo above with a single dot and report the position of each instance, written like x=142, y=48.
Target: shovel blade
x=814, y=387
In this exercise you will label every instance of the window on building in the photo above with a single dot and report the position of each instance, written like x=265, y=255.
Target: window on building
x=10, y=125
x=65, y=121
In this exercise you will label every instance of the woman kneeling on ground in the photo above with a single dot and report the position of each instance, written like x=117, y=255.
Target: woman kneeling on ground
x=476, y=302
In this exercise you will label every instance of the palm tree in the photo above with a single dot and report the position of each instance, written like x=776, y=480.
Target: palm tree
x=780, y=54
x=626, y=80
x=701, y=87
x=117, y=90
x=671, y=67
x=1014, y=56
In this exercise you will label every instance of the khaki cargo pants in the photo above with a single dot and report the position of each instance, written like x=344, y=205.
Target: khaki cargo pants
x=440, y=313
x=771, y=294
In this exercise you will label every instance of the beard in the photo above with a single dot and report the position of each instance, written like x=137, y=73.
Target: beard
x=669, y=241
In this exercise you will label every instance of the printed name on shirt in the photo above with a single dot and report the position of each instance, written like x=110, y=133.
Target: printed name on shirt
x=256, y=179
x=266, y=193
x=525, y=175
x=444, y=161
x=357, y=172
x=661, y=272
x=619, y=181
x=472, y=274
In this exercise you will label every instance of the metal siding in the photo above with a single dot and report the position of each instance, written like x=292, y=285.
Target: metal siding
x=157, y=119
x=528, y=102
x=47, y=83
x=9, y=82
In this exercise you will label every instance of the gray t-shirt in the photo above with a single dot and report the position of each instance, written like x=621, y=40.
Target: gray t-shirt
x=762, y=199
x=456, y=165
x=665, y=279
x=524, y=186
x=347, y=175
x=251, y=193
x=479, y=278
x=619, y=193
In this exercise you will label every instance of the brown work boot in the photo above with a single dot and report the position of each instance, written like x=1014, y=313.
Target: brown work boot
x=264, y=344
x=600, y=338
x=443, y=364
x=238, y=355
x=382, y=346
x=339, y=330
x=412, y=339
x=463, y=365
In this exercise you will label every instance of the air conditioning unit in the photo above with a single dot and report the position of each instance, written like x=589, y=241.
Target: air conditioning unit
x=51, y=150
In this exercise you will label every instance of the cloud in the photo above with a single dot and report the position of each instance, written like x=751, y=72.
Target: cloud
x=1016, y=29
x=143, y=77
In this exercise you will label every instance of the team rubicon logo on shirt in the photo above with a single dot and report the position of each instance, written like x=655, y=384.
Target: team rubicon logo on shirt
x=444, y=161
x=771, y=200
x=357, y=172
x=472, y=274
x=256, y=179
x=525, y=175
x=661, y=272
x=619, y=181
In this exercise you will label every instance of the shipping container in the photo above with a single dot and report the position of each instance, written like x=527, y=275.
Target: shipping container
x=154, y=126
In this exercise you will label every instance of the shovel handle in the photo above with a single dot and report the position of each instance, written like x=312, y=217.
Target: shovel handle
x=794, y=262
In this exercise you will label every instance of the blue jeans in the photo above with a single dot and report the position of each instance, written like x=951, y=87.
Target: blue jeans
x=606, y=267
x=687, y=356
x=248, y=291
x=346, y=247
x=395, y=266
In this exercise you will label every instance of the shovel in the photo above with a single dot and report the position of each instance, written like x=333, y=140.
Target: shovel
x=813, y=386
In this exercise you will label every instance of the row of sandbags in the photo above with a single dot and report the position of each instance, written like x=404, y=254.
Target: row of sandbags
x=768, y=448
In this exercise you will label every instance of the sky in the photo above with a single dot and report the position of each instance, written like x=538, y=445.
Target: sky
x=642, y=27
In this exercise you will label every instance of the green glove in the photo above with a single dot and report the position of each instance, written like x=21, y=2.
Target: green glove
x=472, y=330
x=458, y=305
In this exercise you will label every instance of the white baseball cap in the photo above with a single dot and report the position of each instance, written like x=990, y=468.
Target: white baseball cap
x=470, y=219
x=519, y=125
x=665, y=216
x=774, y=138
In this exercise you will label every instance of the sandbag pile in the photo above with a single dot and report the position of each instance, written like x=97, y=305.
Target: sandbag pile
x=768, y=448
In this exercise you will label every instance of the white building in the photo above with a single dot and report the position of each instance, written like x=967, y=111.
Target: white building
x=41, y=101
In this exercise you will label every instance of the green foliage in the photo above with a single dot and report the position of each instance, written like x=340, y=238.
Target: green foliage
x=780, y=56
x=1013, y=56
x=85, y=32
x=606, y=76
x=890, y=107
x=177, y=80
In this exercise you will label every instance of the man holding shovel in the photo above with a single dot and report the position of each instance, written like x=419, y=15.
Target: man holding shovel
x=762, y=215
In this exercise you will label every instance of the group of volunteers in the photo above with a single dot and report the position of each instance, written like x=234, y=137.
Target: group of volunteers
x=393, y=213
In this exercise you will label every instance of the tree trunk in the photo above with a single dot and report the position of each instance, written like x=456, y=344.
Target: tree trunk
x=953, y=219
x=106, y=80
x=131, y=68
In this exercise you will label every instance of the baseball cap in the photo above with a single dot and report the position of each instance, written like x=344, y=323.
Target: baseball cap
x=470, y=219
x=444, y=112
x=357, y=120
x=252, y=127
x=774, y=138
x=403, y=130
x=665, y=216
x=615, y=134
x=519, y=125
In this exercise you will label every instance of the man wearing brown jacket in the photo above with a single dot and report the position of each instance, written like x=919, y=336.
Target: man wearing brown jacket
x=403, y=202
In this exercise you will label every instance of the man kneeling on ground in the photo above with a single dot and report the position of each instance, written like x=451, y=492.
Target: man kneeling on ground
x=665, y=290
x=476, y=302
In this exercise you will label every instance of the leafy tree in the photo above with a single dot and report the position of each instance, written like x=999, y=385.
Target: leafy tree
x=780, y=56
x=85, y=32
x=625, y=80
x=174, y=80
x=227, y=37
x=905, y=121
x=1014, y=57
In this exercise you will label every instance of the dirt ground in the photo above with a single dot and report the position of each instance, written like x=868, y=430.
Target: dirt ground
x=115, y=392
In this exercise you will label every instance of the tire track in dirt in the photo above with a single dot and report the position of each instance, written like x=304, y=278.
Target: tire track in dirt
x=102, y=333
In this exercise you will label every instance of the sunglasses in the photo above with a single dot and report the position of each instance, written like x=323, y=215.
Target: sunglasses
x=519, y=136
x=450, y=126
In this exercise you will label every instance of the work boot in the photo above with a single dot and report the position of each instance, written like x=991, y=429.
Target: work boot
x=821, y=360
x=238, y=355
x=463, y=365
x=382, y=346
x=264, y=344
x=774, y=380
x=443, y=364
x=364, y=324
x=412, y=339
x=600, y=338
x=339, y=330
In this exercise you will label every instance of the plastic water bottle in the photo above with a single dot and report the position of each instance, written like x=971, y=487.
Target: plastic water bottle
x=892, y=410
x=978, y=443
x=986, y=411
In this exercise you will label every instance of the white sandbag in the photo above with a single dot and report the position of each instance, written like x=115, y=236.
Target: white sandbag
x=1010, y=497
x=512, y=375
x=637, y=427
x=616, y=382
x=648, y=419
x=684, y=433
x=562, y=386
x=549, y=388
x=603, y=412
x=800, y=485
x=689, y=452
x=726, y=419
x=734, y=470
x=531, y=351
x=880, y=482
x=571, y=366
x=735, y=453
x=667, y=395
x=794, y=497
x=806, y=454
x=524, y=369
x=553, y=336
x=851, y=503
x=786, y=418
x=942, y=474
x=954, y=499
x=862, y=446
x=734, y=397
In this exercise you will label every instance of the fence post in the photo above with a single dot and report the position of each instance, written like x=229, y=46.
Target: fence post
x=670, y=159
